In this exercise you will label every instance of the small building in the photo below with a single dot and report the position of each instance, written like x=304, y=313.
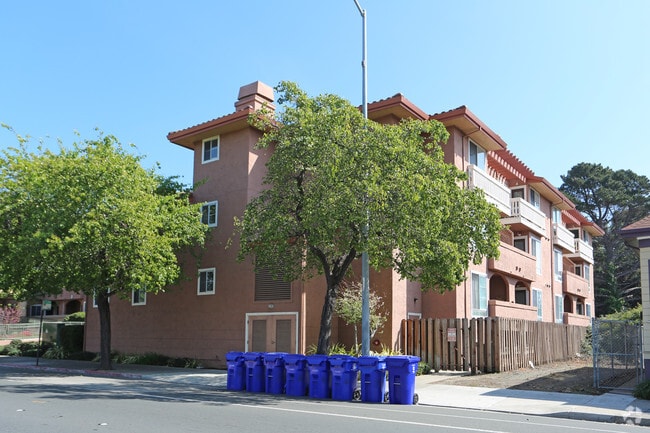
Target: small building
x=637, y=235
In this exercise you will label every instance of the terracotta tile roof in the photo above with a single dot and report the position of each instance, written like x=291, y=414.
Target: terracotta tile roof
x=643, y=224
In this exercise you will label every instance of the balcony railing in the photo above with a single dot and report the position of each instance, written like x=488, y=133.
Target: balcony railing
x=576, y=319
x=511, y=310
x=583, y=251
x=563, y=238
x=574, y=284
x=495, y=192
x=512, y=261
x=526, y=214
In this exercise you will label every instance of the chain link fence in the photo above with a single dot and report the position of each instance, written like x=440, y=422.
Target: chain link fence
x=617, y=354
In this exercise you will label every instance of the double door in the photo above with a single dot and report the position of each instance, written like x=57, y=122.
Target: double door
x=271, y=332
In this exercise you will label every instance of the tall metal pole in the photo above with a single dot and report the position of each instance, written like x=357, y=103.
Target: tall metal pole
x=365, y=268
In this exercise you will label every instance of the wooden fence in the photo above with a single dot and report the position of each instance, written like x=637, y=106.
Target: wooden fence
x=489, y=344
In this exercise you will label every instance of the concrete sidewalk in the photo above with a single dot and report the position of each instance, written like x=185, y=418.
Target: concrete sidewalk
x=610, y=407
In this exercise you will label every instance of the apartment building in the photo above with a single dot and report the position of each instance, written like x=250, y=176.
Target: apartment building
x=545, y=270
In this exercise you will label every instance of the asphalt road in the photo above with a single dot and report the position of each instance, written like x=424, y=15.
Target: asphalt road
x=33, y=402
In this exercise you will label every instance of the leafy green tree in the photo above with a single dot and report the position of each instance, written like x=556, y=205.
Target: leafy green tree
x=91, y=220
x=612, y=199
x=332, y=172
x=348, y=306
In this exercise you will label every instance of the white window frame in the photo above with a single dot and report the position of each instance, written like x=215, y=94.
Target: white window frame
x=538, y=301
x=142, y=297
x=557, y=215
x=519, y=192
x=587, y=309
x=207, y=206
x=587, y=274
x=557, y=264
x=559, y=308
x=479, y=284
x=213, y=151
x=480, y=154
x=521, y=238
x=536, y=250
x=535, y=198
x=208, y=290
x=526, y=291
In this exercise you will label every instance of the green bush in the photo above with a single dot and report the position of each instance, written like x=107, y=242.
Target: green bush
x=82, y=356
x=79, y=316
x=55, y=352
x=423, y=368
x=72, y=338
x=642, y=390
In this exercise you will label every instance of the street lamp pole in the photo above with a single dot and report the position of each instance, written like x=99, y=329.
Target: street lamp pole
x=365, y=268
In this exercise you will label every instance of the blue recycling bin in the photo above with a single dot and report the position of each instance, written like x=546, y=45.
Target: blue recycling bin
x=401, y=378
x=275, y=375
x=319, y=376
x=254, y=371
x=344, y=376
x=295, y=366
x=373, y=378
x=236, y=380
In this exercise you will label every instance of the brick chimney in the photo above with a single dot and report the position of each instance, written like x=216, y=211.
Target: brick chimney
x=255, y=95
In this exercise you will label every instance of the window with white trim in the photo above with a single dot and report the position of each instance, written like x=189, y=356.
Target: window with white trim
x=479, y=295
x=521, y=243
x=537, y=302
x=587, y=275
x=559, y=309
x=138, y=297
x=536, y=250
x=535, y=199
x=557, y=215
x=211, y=149
x=521, y=295
x=206, y=281
x=476, y=155
x=580, y=308
x=588, y=310
x=209, y=213
x=557, y=264
x=517, y=193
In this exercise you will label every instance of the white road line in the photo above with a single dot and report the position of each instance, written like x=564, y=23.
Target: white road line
x=369, y=418
x=526, y=422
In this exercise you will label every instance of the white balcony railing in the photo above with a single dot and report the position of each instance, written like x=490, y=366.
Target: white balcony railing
x=495, y=192
x=583, y=251
x=525, y=213
x=563, y=238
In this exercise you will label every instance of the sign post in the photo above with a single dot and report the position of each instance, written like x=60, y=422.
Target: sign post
x=46, y=305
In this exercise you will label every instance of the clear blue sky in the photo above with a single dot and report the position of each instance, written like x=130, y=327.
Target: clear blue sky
x=562, y=81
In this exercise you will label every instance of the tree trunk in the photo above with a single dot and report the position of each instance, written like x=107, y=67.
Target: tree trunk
x=325, y=332
x=104, y=308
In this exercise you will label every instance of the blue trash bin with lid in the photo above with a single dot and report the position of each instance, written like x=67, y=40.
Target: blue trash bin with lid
x=373, y=378
x=254, y=371
x=401, y=379
x=344, y=376
x=319, y=376
x=275, y=375
x=295, y=366
x=236, y=380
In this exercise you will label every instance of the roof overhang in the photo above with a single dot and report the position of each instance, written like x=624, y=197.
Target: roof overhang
x=471, y=126
x=228, y=123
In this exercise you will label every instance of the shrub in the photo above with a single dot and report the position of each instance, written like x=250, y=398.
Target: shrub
x=55, y=352
x=71, y=338
x=642, y=390
x=79, y=316
x=423, y=368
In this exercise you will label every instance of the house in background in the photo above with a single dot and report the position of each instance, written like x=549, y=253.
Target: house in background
x=637, y=235
x=545, y=270
x=62, y=304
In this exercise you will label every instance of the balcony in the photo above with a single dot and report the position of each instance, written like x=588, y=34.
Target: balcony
x=573, y=284
x=512, y=261
x=495, y=192
x=576, y=319
x=583, y=251
x=511, y=310
x=525, y=216
x=563, y=238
